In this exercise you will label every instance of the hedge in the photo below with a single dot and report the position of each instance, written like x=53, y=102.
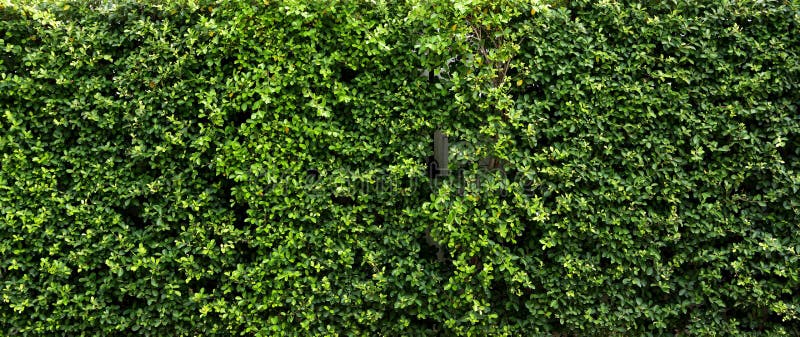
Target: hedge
x=258, y=168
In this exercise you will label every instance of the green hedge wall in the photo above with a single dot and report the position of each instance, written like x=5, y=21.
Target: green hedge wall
x=259, y=168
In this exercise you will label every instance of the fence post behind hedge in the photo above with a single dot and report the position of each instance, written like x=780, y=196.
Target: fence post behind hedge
x=440, y=152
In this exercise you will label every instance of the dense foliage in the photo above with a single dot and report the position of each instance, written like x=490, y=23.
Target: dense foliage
x=257, y=168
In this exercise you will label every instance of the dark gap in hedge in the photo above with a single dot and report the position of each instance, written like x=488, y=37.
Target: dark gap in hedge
x=358, y=259
x=240, y=117
x=347, y=74
x=533, y=90
x=544, y=257
x=790, y=151
x=141, y=168
x=342, y=200
x=604, y=262
x=64, y=181
x=726, y=276
x=751, y=319
x=667, y=253
x=67, y=135
x=227, y=60
x=127, y=303
x=424, y=323
x=428, y=250
x=131, y=212
x=750, y=184
x=207, y=283
x=130, y=43
x=247, y=253
x=560, y=330
x=574, y=11
x=500, y=291
x=549, y=137
x=526, y=237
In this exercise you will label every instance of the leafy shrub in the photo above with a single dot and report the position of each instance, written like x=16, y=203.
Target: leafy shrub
x=258, y=168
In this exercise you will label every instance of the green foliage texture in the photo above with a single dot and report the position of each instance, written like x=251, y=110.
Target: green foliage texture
x=257, y=168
